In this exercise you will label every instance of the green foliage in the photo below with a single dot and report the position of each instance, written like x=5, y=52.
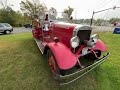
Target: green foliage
x=112, y=20
x=68, y=11
x=87, y=21
x=7, y=15
x=98, y=22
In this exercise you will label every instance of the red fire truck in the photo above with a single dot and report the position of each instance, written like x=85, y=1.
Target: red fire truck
x=70, y=48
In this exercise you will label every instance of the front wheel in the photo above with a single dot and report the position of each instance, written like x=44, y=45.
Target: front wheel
x=53, y=65
x=7, y=32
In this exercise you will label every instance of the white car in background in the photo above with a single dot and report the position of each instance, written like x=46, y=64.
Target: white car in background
x=5, y=28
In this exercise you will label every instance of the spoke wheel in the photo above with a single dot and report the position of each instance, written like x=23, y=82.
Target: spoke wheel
x=53, y=65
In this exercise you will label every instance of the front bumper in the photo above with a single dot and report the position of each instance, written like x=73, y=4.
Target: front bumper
x=79, y=73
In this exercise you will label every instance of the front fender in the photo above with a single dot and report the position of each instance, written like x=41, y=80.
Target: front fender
x=64, y=57
x=100, y=46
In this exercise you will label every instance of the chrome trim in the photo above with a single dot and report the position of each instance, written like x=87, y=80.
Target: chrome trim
x=82, y=27
x=41, y=48
x=87, y=69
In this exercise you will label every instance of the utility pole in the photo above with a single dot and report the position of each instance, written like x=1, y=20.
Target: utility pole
x=92, y=18
x=101, y=11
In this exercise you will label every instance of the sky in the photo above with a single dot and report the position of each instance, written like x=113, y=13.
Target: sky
x=82, y=8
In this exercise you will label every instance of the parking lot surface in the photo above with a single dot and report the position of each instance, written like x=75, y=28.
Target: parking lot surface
x=21, y=30
x=95, y=29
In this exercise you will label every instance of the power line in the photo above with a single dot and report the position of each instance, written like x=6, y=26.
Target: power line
x=90, y=10
x=104, y=17
x=99, y=4
x=105, y=4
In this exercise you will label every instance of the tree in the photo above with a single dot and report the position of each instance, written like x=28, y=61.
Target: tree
x=3, y=3
x=112, y=20
x=33, y=9
x=68, y=11
x=99, y=22
x=7, y=16
x=12, y=17
x=87, y=21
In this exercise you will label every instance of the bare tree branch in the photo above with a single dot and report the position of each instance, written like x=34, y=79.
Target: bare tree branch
x=1, y=2
x=33, y=9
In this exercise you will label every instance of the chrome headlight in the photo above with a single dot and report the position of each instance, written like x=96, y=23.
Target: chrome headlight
x=95, y=37
x=74, y=41
x=93, y=40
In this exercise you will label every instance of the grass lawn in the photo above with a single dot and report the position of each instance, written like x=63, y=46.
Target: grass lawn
x=22, y=67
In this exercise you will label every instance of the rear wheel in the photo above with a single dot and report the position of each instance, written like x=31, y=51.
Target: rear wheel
x=53, y=65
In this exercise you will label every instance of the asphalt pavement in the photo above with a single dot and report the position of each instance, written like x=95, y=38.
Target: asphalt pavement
x=102, y=28
x=95, y=29
x=21, y=30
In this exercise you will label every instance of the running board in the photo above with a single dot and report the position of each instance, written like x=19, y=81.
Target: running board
x=82, y=72
x=40, y=45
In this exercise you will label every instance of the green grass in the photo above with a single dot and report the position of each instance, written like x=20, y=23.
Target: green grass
x=22, y=67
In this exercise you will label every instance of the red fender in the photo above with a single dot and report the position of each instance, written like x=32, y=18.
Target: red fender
x=64, y=57
x=100, y=46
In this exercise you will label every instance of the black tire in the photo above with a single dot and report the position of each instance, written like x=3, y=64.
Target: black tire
x=91, y=56
x=57, y=72
x=7, y=32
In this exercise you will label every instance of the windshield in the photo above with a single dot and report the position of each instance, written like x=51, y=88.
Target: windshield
x=6, y=24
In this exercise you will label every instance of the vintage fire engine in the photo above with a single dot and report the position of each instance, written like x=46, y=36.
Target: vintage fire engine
x=70, y=48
